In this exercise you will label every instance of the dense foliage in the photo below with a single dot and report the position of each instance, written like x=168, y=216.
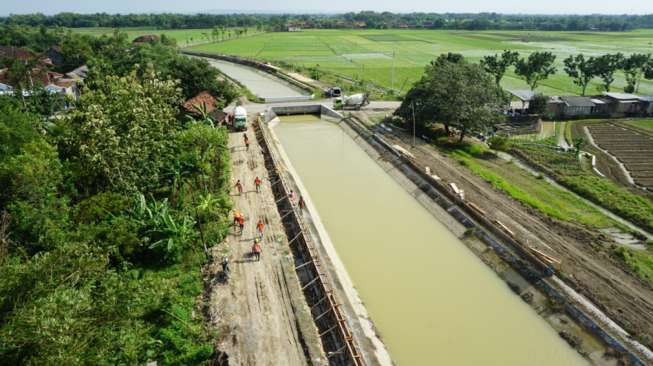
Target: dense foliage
x=106, y=211
x=363, y=19
x=457, y=94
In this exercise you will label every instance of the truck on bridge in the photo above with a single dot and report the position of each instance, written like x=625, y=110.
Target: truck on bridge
x=355, y=101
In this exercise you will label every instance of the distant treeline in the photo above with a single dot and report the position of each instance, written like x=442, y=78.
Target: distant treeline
x=364, y=19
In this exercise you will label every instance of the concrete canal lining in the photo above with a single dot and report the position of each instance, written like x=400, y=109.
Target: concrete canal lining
x=431, y=299
x=260, y=83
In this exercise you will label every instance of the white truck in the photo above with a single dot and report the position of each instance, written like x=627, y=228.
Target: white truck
x=355, y=101
x=240, y=118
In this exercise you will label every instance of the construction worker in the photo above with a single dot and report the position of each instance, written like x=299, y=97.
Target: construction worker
x=239, y=187
x=302, y=204
x=256, y=250
x=225, y=267
x=257, y=183
x=237, y=215
x=241, y=224
x=260, y=226
x=246, y=139
x=292, y=197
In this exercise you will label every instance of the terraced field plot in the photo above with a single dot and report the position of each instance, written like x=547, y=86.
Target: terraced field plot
x=632, y=148
x=372, y=54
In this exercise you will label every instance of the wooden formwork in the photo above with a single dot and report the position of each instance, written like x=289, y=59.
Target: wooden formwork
x=335, y=334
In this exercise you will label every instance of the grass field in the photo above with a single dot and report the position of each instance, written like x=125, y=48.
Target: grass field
x=646, y=124
x=368, y=54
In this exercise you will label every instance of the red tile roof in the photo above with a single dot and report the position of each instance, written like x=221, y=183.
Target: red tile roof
x=203, y=98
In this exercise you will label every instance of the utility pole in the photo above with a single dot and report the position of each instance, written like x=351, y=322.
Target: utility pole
x=393, y=70
x=412, y=104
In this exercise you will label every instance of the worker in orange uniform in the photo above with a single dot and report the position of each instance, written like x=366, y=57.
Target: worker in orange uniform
x=260, y=226
x=257, y=183
x=239, y=187
x=256, y=250
x=241, y=224
x=237, y=215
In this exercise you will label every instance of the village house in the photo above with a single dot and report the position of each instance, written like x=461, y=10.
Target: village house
x=623, y=104
x=573, y=106
x=647, y=105
x=520, y=101
x=205, y=104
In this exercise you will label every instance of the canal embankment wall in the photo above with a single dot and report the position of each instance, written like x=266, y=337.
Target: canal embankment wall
x=347, y=334
x=272, y=70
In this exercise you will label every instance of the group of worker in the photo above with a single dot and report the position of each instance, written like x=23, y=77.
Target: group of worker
x=239, y=218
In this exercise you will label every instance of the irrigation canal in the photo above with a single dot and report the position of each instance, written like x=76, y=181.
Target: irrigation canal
x=260, y=83
x=432, y=300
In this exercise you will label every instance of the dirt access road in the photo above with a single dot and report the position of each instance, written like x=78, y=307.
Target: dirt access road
x=590, y=270
x=259, y=317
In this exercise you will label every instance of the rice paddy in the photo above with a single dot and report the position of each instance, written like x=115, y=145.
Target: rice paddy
x=372, y=55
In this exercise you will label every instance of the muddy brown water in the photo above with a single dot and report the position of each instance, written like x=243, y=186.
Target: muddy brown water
x=433, y=301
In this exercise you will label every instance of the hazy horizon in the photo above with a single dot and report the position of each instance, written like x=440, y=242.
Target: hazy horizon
x=552, y=7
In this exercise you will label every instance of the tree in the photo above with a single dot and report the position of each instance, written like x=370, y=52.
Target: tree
x=457, y=94
x=582, y=70
x=497, y=65
x=538, y=67
x=537, y=105
x=648, y=70
x=606, y=66
x=118, y=136
x=635, y=67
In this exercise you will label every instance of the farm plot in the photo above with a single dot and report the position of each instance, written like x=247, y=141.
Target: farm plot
x=632, y=148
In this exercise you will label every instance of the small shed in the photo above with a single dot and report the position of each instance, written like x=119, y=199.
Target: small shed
x=146, y=38
x=647, y=104
x=521, y=100
x=623, y=103
x=577, y=106
x=555, y=106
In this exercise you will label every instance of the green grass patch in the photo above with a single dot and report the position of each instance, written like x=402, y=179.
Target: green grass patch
x=641, y=262
x=646, y=124
x=533, y=191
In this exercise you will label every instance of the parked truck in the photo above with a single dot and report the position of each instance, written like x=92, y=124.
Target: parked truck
x=240, y=118
x=355, y=101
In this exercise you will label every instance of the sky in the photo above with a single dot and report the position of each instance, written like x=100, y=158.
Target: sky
x=328, y=6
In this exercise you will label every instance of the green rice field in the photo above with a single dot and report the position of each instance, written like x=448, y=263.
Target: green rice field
x=184, y=37
x=373, y=54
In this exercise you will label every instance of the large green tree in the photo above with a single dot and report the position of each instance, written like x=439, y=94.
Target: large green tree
x=537, y=67
x=581, y=70
x=606, y=66
x=634, y=67
x=498, y=64
x=118, y=137
x=457, y=94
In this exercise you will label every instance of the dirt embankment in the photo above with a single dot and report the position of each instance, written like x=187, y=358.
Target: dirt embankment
x=258, y=316
x=587, y=266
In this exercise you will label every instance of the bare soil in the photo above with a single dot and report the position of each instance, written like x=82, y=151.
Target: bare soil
x=259, y=315
x=586, y=263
